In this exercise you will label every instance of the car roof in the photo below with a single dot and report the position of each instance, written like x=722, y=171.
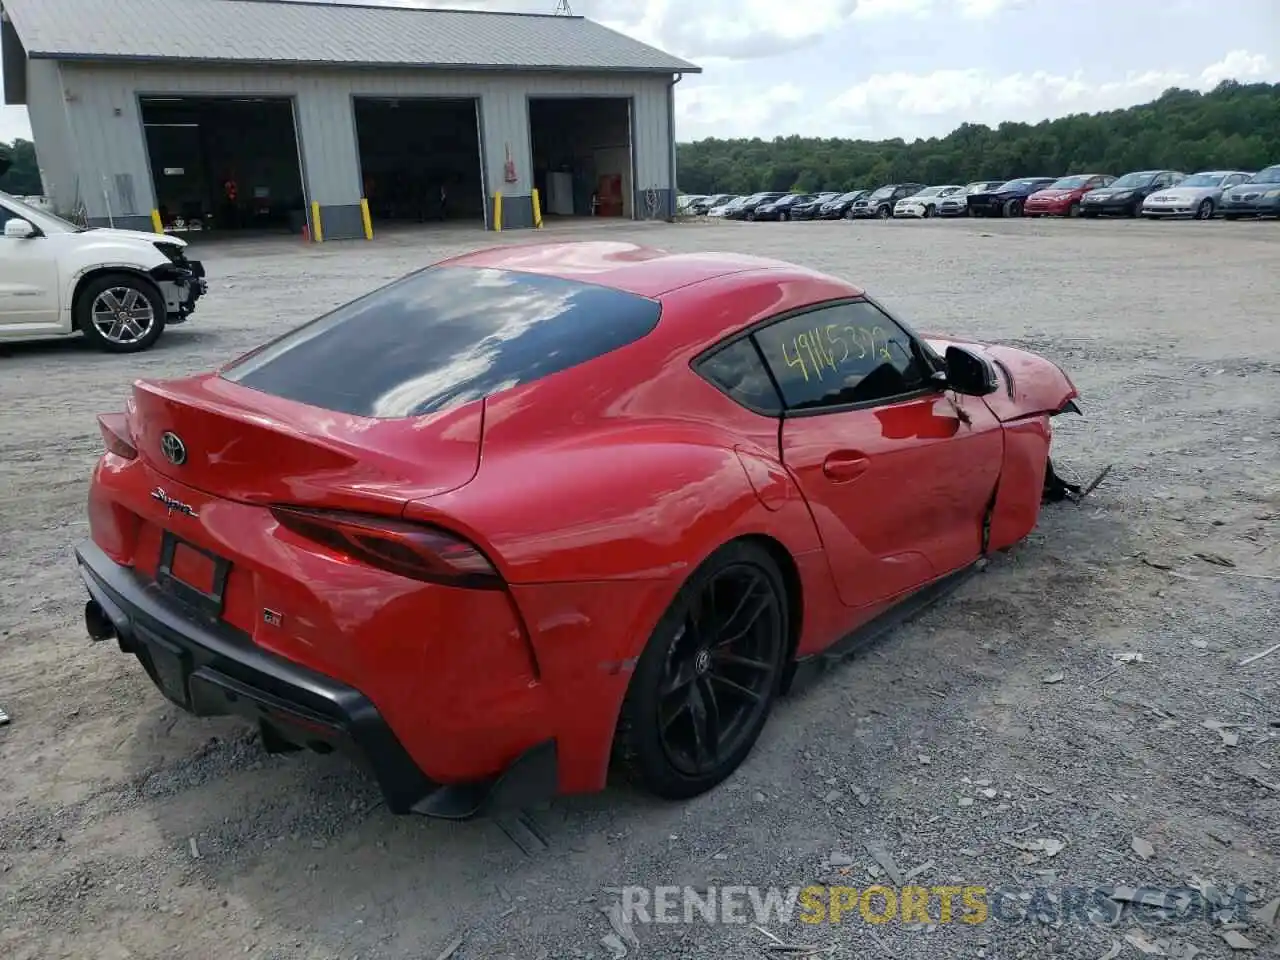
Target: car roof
x=630, y=267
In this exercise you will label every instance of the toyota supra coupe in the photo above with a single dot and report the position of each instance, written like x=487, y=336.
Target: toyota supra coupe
x=539, y=512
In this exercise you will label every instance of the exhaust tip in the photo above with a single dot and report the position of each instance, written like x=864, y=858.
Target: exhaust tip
x=97, y=623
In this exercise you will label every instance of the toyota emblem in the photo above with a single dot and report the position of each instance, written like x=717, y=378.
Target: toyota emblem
x=174, y=450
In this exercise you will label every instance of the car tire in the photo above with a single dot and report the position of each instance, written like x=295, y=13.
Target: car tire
x=1136, y=210
x=1205, y=210
x=677, y=673
x=751, y=215
x=884, y=213
x=784, y=216
x=848, y=214
x=1231, y=216
x=1013, y=208
x=1074, y=209
x=134, y=295
x=928, y=212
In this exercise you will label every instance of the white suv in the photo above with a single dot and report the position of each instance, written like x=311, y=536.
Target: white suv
x=117, y=287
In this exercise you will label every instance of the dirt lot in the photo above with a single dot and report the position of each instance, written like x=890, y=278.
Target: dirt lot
x=1005, y=716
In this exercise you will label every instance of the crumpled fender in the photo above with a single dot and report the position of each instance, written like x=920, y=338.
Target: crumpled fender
x=1029, y=384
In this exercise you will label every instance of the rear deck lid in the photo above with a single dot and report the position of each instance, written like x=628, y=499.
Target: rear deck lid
x=238, y=444
x=384, y=396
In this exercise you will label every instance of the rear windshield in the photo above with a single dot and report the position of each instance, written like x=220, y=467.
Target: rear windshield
x=442, y=337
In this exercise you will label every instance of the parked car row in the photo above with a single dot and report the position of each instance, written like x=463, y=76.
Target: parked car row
x=1155, y=194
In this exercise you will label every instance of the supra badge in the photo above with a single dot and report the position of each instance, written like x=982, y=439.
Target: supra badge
x=171, y=505
x=174, y=450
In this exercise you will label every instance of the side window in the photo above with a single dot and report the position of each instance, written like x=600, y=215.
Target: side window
x=738, y=371
x=5, y=216
x=843, y=354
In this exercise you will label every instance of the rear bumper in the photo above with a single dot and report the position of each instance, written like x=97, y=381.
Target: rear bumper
x=210, y=669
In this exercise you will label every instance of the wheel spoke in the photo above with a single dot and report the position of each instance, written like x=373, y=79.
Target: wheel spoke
x=706, y=735
x=733, y=659
x=113, y=333
x=749, y=610
x=131, y=299
x=684, y=675
x=664, y=723
x=109, y=298
x=739, y=689
x=715, y=726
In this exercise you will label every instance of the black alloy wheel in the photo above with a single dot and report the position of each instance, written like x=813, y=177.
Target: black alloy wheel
x=707, y=679
x=1205, y=210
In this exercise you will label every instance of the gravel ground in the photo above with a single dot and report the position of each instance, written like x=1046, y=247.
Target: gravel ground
x=1016, y=712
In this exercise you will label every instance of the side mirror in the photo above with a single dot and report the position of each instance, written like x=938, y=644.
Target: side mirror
x=16, y=229
x=969, y=374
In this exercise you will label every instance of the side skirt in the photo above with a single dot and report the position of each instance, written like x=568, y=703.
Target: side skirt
x=808, y=669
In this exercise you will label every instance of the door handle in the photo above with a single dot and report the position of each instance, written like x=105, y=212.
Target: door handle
x=845, y=466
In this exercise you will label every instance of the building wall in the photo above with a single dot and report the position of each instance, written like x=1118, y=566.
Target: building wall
x=104, y=119
x=51, y=135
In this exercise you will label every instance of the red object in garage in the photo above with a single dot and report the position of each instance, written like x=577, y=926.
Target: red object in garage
x=610, y=195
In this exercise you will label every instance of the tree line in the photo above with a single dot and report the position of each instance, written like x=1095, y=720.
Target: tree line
x=22, y=178
x=1235, y=126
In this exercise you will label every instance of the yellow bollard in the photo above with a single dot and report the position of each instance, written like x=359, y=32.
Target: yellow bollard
x=317, y=231
x=497, y=212
x=156, y=223
x=537, y=209
x=366, y=219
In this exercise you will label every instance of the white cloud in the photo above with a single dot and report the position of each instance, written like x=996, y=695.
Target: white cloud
x=1238, y=65
x=910, y=105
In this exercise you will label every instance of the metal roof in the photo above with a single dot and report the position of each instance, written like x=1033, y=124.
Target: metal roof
x=314, y=33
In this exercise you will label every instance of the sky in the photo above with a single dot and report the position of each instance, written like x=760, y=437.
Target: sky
x=875, y=69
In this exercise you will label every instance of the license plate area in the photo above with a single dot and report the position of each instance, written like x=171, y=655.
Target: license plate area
x=194, y=575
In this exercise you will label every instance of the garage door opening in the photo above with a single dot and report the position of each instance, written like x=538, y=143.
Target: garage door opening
x=225, y=163
x=582, y=156
x=420, y=159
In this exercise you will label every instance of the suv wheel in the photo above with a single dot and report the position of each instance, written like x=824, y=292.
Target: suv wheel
x=120, y=313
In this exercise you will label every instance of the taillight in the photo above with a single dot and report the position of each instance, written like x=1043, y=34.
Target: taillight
x=411, y=550
x=116, y=435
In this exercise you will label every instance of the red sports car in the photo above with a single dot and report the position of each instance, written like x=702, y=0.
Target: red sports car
x=539, y=508
x=1062, y=198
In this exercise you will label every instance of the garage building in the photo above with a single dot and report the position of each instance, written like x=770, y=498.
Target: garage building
x=269, y=115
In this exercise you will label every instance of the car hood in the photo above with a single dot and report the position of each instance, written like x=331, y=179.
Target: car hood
x=1103, y=193
x=1051, y=194
x=111, y=233
x=1247, y=188
x=1029, y=383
